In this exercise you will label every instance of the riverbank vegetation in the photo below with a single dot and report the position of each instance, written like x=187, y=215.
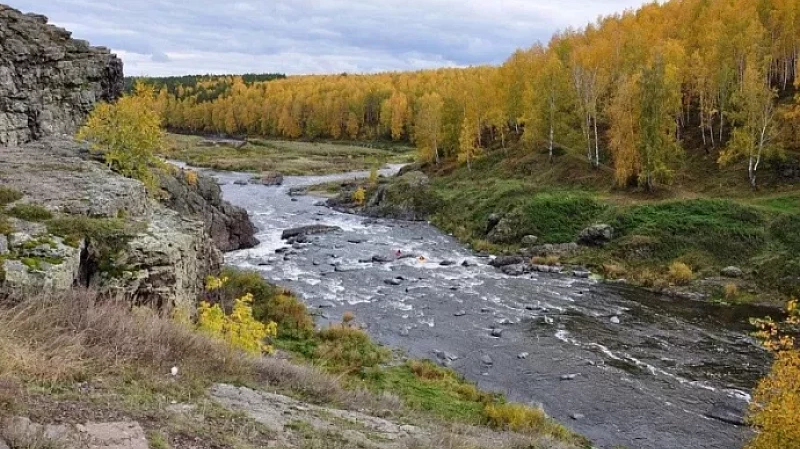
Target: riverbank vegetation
x=83, y=356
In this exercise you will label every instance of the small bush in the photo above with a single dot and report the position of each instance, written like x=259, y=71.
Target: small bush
x=539, y=260
x=346, y=349
x=270, y=304
x=425, y=369
x=731, y=291
x=30, y=212
x=680, y=273
x=552, y=260
x=240, y=329
x=614, y=271
x=515, y=417
x=191, y=178
x=9, y=195
x=359, y=196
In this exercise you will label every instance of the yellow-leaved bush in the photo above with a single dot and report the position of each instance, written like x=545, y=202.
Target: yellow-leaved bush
x=239, y=328
x=359, y=196
x=776, y=401
x=127, y=133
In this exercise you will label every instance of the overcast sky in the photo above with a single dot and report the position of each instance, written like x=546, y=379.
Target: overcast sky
x=175, y=37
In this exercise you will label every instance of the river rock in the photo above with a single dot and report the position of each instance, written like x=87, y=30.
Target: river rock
x=497, y=333
x=515, y=270
x=308, y=230
x=523, y=356
x=395, y=282
x=492, y=221
x=582, y=274
x=596, y=235
x=240, y=182
x=270, y=178
x=732, y=272
x=615, y=320
x=447, y=263
x=487, y=360
x=460, y=313
x=577, y=416
x=570, y=376
x=503, y=261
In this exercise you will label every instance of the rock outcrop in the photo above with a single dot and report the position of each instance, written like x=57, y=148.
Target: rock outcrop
x=406, y=197
x=48, y=81
x=164, y=263
x=228, y=225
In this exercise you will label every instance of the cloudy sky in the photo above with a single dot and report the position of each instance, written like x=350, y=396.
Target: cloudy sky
x=174, y=37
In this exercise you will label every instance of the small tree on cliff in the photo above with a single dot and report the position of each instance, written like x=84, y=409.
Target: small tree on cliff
x=127, y=134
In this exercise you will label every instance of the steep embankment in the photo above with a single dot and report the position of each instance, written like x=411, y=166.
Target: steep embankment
x=67, y=220
x=738, y=245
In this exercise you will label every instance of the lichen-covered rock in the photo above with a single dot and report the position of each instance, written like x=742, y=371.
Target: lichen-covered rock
x=228, y=225
x=167, y=265
x=596, y=235
x=40, y=263
x=508, y=229
x=407, y=197
x=48, y=81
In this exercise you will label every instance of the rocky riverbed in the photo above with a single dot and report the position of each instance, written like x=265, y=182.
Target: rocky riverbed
x=622, y=366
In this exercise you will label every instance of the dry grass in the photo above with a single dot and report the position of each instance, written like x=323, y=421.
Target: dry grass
x=731, y=291
x=76, y=334
x=680, y=273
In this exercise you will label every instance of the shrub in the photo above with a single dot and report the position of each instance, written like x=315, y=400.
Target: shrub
x=359, y=196
x=515, y=417
x=731, y=291
x=680, y=273
x=127, y=134
x=30, y=212
x=776, y=400
x=552, y=260
x=191, y=178
x=373, y=176
x=9, y=195
x=270, y=304
x=240, y=329
x=345, y=349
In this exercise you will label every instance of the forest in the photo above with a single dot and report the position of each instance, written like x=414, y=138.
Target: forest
x=634, y=91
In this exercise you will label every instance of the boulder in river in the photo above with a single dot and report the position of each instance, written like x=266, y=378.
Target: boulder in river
x=308, y=230
x=516, y=269
x=502, y=261
x=270, y=178
x=596, y=235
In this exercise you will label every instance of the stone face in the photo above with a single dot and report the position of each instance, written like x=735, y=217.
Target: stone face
x=228, y=225
x=48, y=81
x=596, y=235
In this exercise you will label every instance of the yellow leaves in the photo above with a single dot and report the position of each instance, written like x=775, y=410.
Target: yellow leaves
x=239, y=329
x=359, y=196
x=127, y=134
x=191, y=178
x=776, y=401
x=215, y=283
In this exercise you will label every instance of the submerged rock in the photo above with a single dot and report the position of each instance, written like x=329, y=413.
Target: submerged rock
x=308, y=230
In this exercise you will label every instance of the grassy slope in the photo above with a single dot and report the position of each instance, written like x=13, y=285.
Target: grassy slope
x=287, y=157
x=707, y=218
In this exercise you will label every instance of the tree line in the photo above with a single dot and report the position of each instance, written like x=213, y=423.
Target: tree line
x=634, y=90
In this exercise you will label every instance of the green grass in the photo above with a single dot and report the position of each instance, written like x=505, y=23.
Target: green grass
x=30, y=212
x=9, y=195
x=287, y=157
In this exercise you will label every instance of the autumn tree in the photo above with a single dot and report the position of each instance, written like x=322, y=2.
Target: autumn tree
x=428, y=126
x=127, y=134
x=755, y=122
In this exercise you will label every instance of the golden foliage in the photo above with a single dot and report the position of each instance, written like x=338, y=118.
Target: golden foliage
x=680, y=273
x=191, y=177
x=731, y=291
x=359, y=196
x=776, y=401
x=127, y=134
x=239, y=329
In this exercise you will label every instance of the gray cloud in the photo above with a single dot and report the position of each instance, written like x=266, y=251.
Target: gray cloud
x=314, y=36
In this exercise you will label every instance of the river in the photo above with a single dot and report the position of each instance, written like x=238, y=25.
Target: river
x=622, y=366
